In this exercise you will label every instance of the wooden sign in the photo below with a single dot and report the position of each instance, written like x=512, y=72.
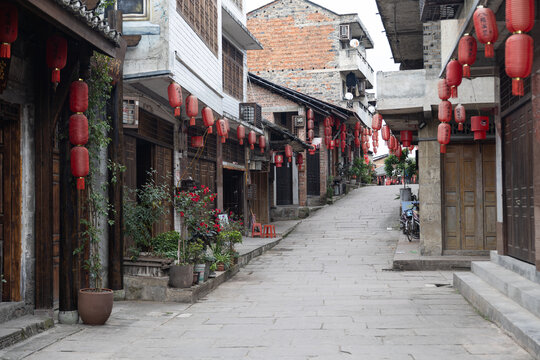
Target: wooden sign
x=4, y=72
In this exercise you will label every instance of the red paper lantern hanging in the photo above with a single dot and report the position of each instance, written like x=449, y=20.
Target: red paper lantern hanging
x=357, y=126
x=376, y=135
x=192, y=109
x=288, y=152
x=228, y=128
x=56, y=54
x=9, y=24
x=327, y=140
x=310, y=135
x=310, y=124
x=78, y=96
x=460, y=115
x=375, y=150
x=343, y=145
x=406, y=138
x=312, y=150
x=445, y=111
x=78, y=129
x=327, y=121
x=376, y=121
x=343, y=136
x=252, y=139
x=278, y=160
x=487, y=32
x=393, y=143
x=328, y=131
x=443, y=89
x=174, y=91
x=518, y=60
x=208, y=118
x=519, y=15
x=262, y=143
x=479, y=125
x=385, y=133
x=332, y=145
x=366, y=158
x=300, y=161
x=80, y=164
x=467, y=53
x=454, y=76
x=310, y=114
x=357, y=142
x=197, y=141
x=343, y=128
x=221, y=128
x=241, y=134
x=443, y=136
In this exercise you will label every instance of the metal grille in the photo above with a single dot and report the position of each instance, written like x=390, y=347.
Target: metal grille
x=233, y=152
x=433, y=10
x=251, y=113
x=233, y=70
x=202, y=16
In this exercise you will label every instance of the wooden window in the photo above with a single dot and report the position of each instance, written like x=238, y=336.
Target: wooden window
x=133, y=9
x=233, y=70
x=203, y=17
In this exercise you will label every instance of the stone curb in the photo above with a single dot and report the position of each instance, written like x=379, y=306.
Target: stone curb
x=22, y=328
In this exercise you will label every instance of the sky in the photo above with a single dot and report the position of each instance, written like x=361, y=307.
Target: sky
x=380, y=57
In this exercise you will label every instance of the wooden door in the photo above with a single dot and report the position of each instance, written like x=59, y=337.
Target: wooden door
x=518, y=183
x=284, y=194
x=313, y=174
x=469, y=204
x=10, y=201
x=55, y=210
x=259, y=205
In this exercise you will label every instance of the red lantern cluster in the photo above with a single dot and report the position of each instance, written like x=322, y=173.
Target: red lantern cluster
x=460, y=115
x=262, y=143
x=486, y=29
x=174, y=91
x=467, y=53
x=56, y=54
x=78, y=131
x=252, y=139
x=519, y=46
x=328, y=123
x=9, y=23
x=192, y=108
x=479, y=125
x=454, y=76
x=221, y=127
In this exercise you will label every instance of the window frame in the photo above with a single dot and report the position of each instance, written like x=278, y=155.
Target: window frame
x=232, y=57
x=134, y=16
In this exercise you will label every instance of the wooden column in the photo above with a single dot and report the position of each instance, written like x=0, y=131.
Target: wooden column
x=535, y=89
x=219, y=171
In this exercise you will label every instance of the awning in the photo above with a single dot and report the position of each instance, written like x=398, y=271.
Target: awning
x=297, y=144
x=238, y=32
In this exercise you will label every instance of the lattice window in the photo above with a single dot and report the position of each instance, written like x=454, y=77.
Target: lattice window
x=203, y=17
x=233, y=152
x=233, y=70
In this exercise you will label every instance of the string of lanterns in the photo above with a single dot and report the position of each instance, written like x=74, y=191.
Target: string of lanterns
x=78, y=131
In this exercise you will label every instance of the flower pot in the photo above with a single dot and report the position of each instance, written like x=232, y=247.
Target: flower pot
x=200, y=270
x=95, y=306
x=180, y=276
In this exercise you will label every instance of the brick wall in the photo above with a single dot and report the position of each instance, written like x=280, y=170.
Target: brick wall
x=307, y=61
x=270, y=102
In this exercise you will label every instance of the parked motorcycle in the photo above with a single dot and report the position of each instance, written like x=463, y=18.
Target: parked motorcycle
x=410, y=222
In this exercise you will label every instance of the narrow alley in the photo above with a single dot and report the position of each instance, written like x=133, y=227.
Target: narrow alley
x=324, y=292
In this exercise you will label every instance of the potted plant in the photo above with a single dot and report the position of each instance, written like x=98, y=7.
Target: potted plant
x=223, y=261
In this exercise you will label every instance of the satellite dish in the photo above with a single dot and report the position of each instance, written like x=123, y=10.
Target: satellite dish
x=354, y=43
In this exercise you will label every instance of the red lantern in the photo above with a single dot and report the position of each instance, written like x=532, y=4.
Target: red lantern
x=343, y=136
x=312, y=150
x=56, y=54
x=310, y=114
x=175, y=97
x=518, y=60
x=366, y=158
x=221, y=128
x=385, y=133
x=343, y=128
x=467, y=53
x=454, y=75
x=443, y=136
x=9, y=23
x=327, y=121
x=486, y=29
x=460, y=116
x=208, y=118
x=479, y=125
x=78, y=96
x=376, y=135
x=357, y=142
x=262, y=143
x=300, y=161
x=192, y=108
x=288, y=152
x=79, y=164
x=252, y=139
x=519, y=15
x=332, y=145
x=311, y=134
x=411, y=148
x=278, y=160
x=241, y=133
x=445, y=111
x=310, y=124
x=343, y=145
x=357, y=126
x=228, y=128
x=406, y=138
x=78, y=129
x=375, y=150
x=197, y=141
x=328, y=131
x=336, y=123
x=443, y=89
x=376, y=121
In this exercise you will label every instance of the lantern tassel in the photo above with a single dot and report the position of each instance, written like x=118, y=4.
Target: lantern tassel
x=177, y=111
x=55, y=76
x=517, y=87
x=80, y=183
x=192, y=121
x=454, y=92
x=5, y=50
x=443, y=149
x=466, y=71
x=489, y=52
x=241, y=141
x=460, y=127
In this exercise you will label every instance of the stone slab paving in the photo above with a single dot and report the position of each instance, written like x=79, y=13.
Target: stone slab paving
x=324, y=292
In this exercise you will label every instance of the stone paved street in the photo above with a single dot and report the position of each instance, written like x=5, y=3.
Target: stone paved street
x=324, y=292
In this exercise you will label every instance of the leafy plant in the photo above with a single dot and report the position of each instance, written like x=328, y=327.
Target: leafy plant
x=224, y=258
x=166, y=244
x=404, y=166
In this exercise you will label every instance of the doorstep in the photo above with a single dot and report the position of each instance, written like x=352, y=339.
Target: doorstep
x=407, y=257
x=21, y=328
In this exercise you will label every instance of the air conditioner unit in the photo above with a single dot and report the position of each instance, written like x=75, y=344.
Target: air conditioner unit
x=298, y=120
x=130, y=112
x=251, y=113
x=344, y=32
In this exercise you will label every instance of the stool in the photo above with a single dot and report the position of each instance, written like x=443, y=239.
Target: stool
x=256, y=229
x=269, y=231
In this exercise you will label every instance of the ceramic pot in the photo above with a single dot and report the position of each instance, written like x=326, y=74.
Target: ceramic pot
x=181, y=276
x=95, y=306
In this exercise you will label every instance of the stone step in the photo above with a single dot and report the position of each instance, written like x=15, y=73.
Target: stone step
x=521, y=290
x=521, y=324
x=527, y=271
x=19, y=329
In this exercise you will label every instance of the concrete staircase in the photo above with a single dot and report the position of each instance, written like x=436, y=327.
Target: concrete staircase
x=507, y=292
